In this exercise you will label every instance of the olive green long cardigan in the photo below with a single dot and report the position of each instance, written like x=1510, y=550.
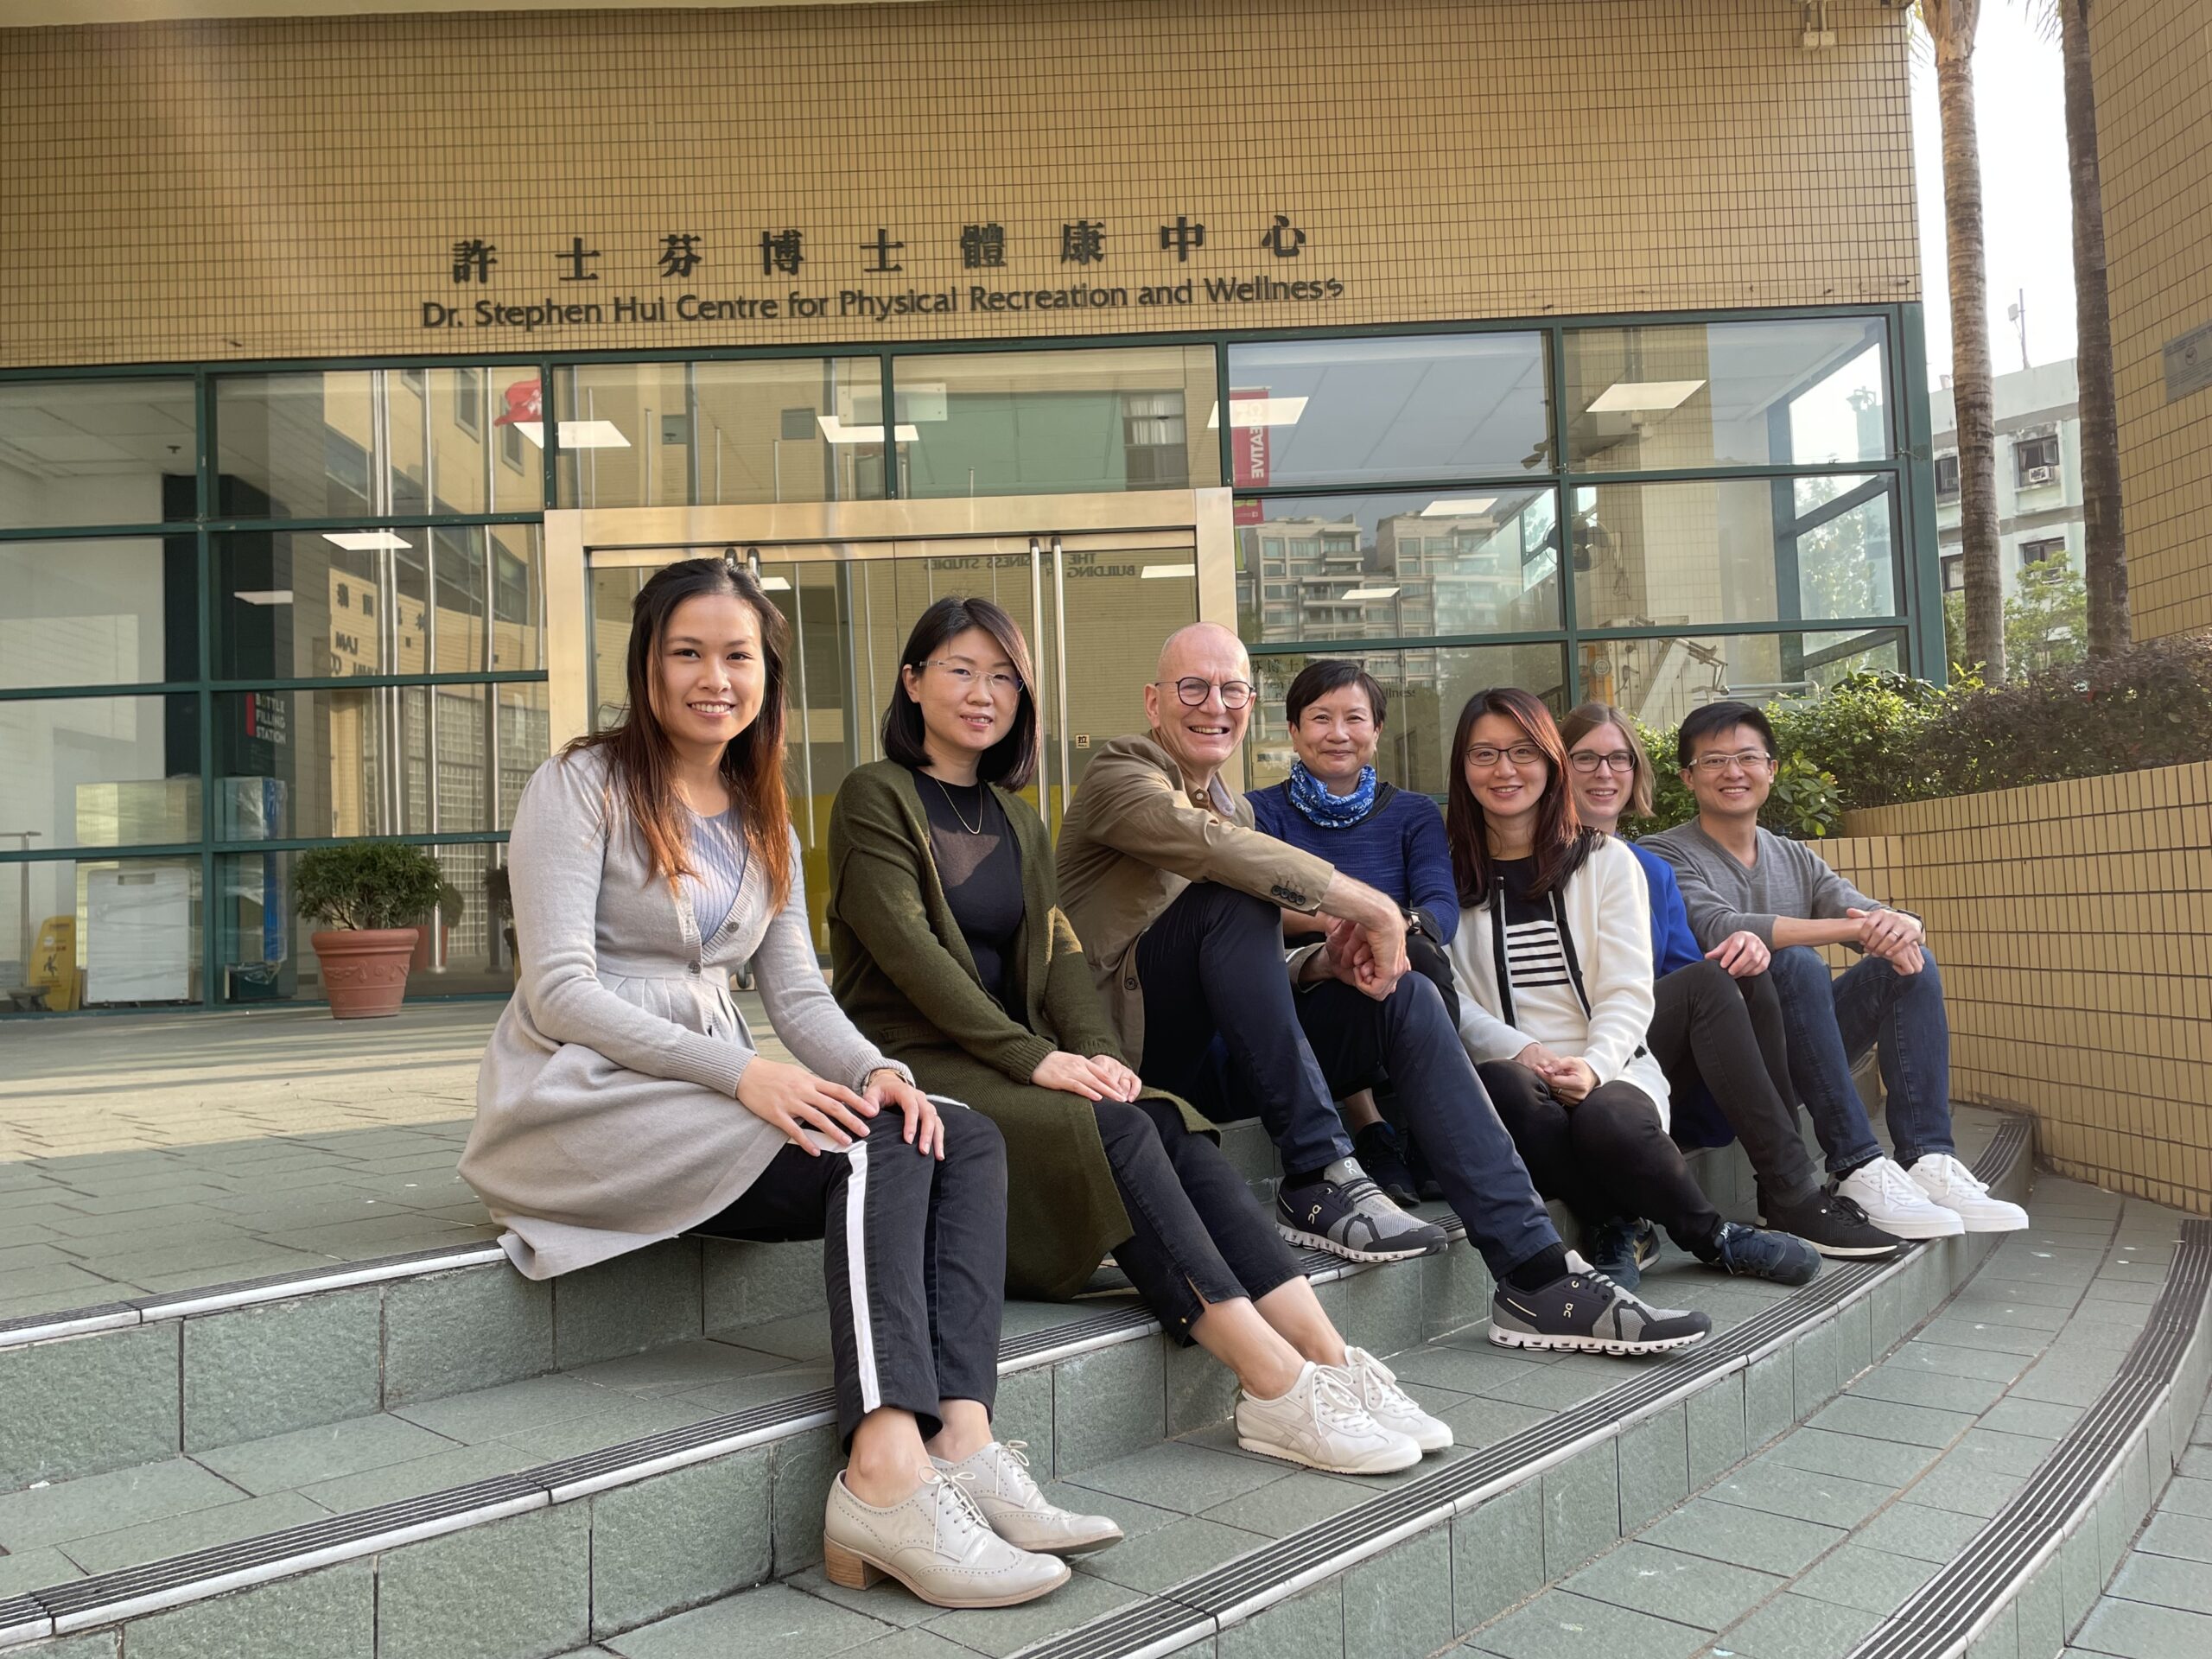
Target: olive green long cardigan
x=903, y=974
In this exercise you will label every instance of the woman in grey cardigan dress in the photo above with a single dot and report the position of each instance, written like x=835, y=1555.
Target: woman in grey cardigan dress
x=622, y=1099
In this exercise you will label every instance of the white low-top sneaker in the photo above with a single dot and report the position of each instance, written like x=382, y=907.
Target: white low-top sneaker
x=1320, y=1422
x=1950, y=1185
x=1017, y=1511
x=1390, y=1405
x=1894, y=1202
x=937, y=1543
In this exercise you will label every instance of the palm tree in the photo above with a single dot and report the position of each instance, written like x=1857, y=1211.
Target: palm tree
x=2104, y=559
x=1950, y=25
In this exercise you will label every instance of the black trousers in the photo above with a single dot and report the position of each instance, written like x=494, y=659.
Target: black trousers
x=1604, y=1156
x=1212, y=965
x=914, y=1256
x=1201, y=1236
x=1712, y=1030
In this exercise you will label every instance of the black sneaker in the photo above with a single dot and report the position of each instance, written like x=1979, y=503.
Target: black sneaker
x=1831, y=1225
x=1345, y=1214
x=1376, y=1147
x=1748, y=1252
x=1621, y=1248
x=1584, y=1312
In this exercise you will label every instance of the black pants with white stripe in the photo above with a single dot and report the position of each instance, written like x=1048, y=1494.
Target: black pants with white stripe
x=914, y=1253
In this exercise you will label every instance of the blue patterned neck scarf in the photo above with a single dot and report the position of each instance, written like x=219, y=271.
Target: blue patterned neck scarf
x=1312, y=798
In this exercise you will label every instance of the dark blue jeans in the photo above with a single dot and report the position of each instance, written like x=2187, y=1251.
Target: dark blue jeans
x=1289, y=1055
x=1834, y=1019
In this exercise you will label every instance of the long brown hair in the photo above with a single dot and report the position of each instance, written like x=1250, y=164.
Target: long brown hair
x=642, y=759
x=1580, y=722
x=1562, y=842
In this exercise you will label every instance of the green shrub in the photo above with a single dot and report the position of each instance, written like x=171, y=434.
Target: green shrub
x=1671, y=801
x=366, y=884
x=1865, y=734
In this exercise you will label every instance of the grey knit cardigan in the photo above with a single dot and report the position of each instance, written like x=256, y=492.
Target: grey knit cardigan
x=606, y=1114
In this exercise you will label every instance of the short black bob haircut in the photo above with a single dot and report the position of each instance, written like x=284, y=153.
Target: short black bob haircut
x=1317, y=678
x=1011, y=762
x=1713, y=718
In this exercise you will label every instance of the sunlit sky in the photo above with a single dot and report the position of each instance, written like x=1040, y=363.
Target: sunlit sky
x=2020, y=107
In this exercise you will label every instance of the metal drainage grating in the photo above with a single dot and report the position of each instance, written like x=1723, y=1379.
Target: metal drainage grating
x=1940, y=1615
x=1305, y=1555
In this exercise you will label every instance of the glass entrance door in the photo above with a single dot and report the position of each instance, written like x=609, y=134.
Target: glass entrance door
x=1095, y=604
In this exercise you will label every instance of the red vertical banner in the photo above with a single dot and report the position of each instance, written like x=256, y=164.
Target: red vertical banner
x=1247, y=455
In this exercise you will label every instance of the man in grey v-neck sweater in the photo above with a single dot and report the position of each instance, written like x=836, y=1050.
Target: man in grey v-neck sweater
x=1736, y=878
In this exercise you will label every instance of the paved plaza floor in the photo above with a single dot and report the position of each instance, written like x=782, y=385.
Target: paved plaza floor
x=140, y=1155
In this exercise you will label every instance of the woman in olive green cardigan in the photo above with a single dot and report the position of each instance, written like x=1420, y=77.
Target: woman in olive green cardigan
x=952, y=955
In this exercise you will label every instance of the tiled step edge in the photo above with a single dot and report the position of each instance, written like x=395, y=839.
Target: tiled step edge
x=1198, y=1609
x=111, y=1597
x=2089, y=1496
x=215, y=1299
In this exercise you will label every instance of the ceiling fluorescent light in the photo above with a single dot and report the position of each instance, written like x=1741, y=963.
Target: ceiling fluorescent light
x=1161, y=571
x=836, y=431
x=1258, y=411
x=1641, y=396
x=264, y=596
x=775, y=584
x=1372, y=593
x=1461, y=507
x=577, y=434
x=366, y=541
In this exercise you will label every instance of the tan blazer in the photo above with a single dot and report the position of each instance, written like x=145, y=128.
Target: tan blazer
x=1135, y=836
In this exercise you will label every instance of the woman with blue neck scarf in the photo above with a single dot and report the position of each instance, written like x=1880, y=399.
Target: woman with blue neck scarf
x=1331, y=806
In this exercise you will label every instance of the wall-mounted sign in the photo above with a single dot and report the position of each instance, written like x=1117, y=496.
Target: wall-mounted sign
x=2187, y=360
x=772, y=279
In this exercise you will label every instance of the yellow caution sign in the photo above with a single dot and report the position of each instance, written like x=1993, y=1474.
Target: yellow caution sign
x=54, y=963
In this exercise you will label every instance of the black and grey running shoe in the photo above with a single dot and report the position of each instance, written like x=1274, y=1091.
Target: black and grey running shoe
x=1345, y=1214
x=1831, y=1225
x=1584, y=1312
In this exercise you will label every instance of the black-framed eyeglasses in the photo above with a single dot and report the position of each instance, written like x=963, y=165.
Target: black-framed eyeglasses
x=1589, y=761
x=1193, y=691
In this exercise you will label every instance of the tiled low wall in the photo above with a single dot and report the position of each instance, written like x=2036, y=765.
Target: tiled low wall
x=2073, y=923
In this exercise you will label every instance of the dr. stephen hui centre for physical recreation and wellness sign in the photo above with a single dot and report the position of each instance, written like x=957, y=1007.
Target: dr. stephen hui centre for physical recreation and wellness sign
x=818, y=282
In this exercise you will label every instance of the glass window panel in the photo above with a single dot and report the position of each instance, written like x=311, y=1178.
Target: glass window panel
x=1375, y=567
x=637, y=435
x=1055, y=423
x=373, y=441
x=111, y=932
x=1659, y=681
x=99, y=613
x=1426, y=690
x=265, y=948
x=1347, y=411
x=96, y=452
x=99, y=772
x=1717, y=550
x=310, y=604
x=1800, y=391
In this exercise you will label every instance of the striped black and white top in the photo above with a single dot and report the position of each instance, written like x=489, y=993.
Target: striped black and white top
x=719, y=855
x=1543, y=992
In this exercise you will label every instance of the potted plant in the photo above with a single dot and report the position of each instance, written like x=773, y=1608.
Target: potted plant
x=371, y=894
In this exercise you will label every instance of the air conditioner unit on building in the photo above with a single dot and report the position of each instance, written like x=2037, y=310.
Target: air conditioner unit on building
x=2040, y=475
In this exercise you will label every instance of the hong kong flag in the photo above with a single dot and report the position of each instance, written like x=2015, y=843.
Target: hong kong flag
x=525, y=402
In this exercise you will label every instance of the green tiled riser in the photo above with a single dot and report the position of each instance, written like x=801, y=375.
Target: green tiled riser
x=550, y=1581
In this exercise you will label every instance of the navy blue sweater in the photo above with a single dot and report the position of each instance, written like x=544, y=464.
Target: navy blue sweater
x=1398, y=847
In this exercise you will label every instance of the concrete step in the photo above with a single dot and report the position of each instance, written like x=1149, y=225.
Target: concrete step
x=609, y=1539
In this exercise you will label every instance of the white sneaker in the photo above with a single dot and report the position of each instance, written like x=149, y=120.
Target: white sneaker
x=1020, y=1513
x=1894, y=1202
x=937, y=1543
x=1320, y=1422
x=1950, y=1185
x=1391, y=1406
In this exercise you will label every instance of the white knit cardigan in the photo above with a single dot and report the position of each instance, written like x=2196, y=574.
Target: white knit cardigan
x=1608, y=907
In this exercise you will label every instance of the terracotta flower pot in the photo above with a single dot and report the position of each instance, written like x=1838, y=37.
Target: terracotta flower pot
x=365, y=969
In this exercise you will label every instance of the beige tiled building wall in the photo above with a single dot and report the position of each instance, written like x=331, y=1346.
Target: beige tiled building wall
x=2073, y=924
x=302, y=187
x=2153, y=62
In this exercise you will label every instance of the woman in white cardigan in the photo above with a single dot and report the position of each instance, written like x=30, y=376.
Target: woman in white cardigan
x=1553, y=958
x=623, y=1099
